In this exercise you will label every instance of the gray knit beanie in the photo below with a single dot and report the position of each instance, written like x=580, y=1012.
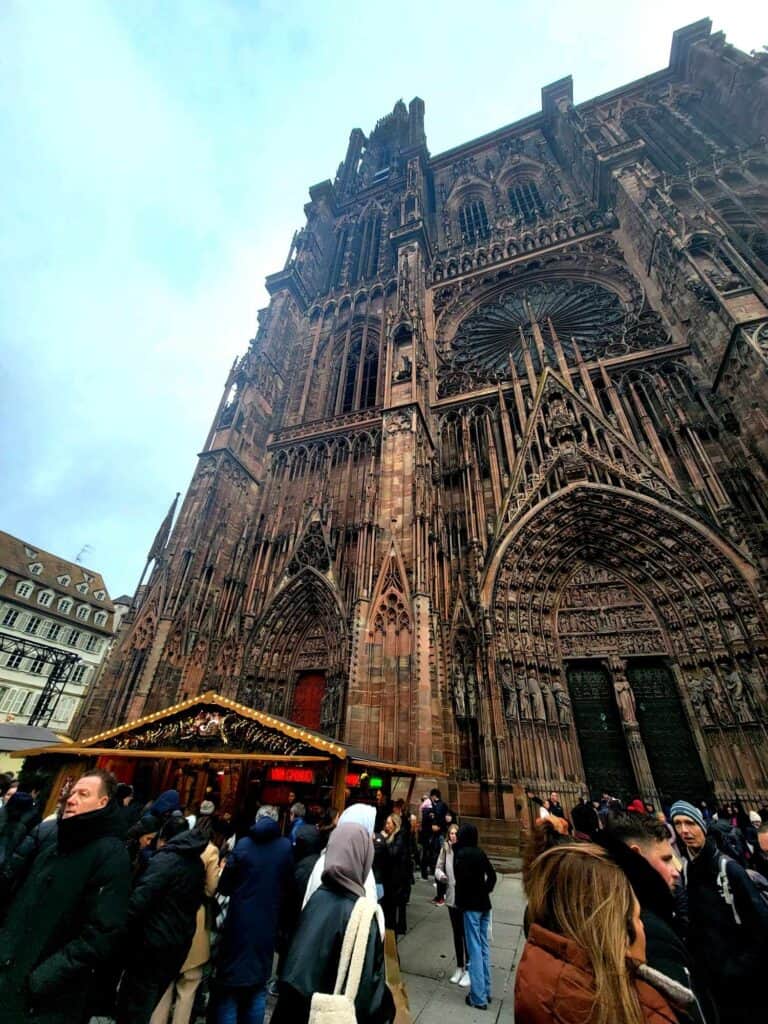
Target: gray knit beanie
x=683, y=807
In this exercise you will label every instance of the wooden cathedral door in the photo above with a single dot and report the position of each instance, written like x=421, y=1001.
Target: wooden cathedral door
x=307, y=699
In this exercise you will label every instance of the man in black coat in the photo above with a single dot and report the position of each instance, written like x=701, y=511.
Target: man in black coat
x=65, y=922
x=728, y=931
x=640, y=846
x=162, y=915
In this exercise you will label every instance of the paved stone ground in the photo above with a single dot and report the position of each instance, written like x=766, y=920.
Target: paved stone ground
x=427, y=959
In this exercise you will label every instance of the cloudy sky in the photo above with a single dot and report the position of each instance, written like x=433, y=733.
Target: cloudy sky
x=156, y=157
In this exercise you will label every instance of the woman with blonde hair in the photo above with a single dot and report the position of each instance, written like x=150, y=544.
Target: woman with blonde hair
x=444, y=873
x=396, y=873
x=584, y=961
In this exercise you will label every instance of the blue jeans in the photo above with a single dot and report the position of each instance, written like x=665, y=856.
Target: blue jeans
x=242, y=1005
x=479, y=955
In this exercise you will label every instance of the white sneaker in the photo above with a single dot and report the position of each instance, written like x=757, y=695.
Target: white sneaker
x=457, y=975
x=464, y=980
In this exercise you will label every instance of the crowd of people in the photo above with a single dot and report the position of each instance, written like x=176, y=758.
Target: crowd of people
x=638, y=915
x=147, y=914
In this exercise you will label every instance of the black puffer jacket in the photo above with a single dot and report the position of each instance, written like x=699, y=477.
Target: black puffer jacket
x=65, y=922
x=163, y=908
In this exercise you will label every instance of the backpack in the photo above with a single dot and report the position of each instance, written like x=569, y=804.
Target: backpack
x=724, y=886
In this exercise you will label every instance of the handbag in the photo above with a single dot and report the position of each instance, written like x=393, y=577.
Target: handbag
x=339, y=1007
x=395, y=982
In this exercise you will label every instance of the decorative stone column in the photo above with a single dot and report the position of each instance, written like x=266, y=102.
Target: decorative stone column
x=625, y=699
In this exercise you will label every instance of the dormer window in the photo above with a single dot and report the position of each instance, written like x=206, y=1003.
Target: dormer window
x=65, y=604
x=30, y=552
x=45, y=598
x=36, y=568
x=83, y=612
x=24, y=589
x=100, y=618
x=82, y=588
x=99, y=595
x=64, y=580
x=3, y=577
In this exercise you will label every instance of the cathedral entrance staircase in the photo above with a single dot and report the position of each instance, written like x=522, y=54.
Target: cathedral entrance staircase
x=502, y=841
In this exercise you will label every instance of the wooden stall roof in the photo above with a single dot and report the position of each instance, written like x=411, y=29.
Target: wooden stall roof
x=148, y=737
x=208, y=724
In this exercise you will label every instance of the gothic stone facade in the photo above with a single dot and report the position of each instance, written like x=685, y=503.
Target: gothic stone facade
x=487, y=492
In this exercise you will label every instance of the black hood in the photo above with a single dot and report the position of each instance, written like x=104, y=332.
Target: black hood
x=186, y=844
x=20, y=804
x=650, y=888
x=308, y=842
x=467, y=836
x=81, y=829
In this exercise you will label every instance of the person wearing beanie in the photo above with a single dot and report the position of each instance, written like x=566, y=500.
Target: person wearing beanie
x=728, y=920
x=682, y=809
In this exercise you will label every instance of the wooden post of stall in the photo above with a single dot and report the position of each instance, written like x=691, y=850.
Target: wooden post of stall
x=66, y=774
x=340, y=769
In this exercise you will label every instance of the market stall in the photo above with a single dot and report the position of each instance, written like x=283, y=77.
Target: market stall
x=211, y=747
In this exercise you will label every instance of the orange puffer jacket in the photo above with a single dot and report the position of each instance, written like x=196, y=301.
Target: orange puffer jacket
x=555, y=985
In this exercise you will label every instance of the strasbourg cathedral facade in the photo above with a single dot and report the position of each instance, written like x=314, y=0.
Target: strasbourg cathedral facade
x=487, y=493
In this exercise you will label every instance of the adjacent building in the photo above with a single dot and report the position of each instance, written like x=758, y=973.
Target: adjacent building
x=487, y=493
x=56, y=625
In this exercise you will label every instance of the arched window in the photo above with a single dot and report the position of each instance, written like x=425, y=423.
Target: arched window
x=353, y=361
x=525, y=201
x=333, y=384
x=353, y=382
x=473, y=221
x=370, y=376
x=364, y=260
x=337, y=268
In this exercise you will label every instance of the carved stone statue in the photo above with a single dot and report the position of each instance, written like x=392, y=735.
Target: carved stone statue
x=625, y=699
x=734, y=686
x=549, y=704
x=698, y=701
x=536, y=698
x=715, y=699
x=563, y=702
x=522, y=698
x=509, y=692
x=471, y=692
x=459, y=692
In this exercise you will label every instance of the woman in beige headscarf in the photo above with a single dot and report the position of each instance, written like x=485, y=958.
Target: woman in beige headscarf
x=313, y=958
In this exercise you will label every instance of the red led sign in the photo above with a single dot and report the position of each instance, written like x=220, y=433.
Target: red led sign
x=291, y=775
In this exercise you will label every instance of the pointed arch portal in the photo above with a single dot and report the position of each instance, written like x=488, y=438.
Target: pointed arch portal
x=297, y=662
x=628, y=649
